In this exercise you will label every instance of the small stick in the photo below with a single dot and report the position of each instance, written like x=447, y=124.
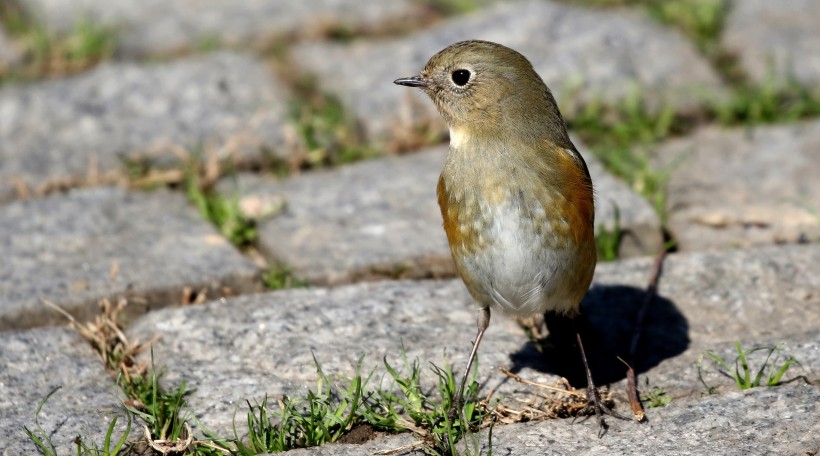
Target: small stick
x=632, y=392
x=401, y=449
x=631, y=378
x=651, y=292
x=519, y=379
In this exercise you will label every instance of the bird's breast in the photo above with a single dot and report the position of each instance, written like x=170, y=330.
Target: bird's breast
x=515, y=240
x=497, y=211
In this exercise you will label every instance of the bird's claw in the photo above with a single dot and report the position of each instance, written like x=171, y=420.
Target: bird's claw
x=595, y=404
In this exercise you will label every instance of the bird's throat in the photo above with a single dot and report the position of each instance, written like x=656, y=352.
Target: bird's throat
x=458, y=138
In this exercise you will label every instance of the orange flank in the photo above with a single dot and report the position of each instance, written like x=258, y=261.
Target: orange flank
x=450, y=215
x=578, y=206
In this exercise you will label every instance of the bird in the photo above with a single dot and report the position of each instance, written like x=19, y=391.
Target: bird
x=516, y=196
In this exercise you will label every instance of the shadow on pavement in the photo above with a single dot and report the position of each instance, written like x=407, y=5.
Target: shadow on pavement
x=607, y=325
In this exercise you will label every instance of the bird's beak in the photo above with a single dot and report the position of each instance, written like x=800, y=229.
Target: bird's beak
x=413, y=81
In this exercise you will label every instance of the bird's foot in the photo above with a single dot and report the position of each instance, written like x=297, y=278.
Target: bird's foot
x=534, y=326
x=596, y=404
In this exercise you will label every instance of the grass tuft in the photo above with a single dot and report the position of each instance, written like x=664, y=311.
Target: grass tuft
x=329, y=132
x=454, y=7
x=278, y=277
x=608, y=242
x=323, y=416
x=769, y=374
x=622, y=135
x=223, y=211
x=767, y=103
x=655, y=397
x=430, y=418
x=45, y=55
x=700, y=20
x=162, y=411
x=330, y=411
x=39, y=436
x=42, y=439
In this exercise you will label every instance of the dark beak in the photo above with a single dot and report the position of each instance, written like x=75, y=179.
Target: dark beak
x=414, y=81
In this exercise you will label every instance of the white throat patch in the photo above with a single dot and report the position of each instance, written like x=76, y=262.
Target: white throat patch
x=458, y=138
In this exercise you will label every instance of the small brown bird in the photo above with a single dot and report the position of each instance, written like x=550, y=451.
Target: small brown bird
x=515, y=195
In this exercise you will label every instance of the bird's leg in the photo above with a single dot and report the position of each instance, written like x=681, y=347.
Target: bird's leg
x=593, y=398
x=483, y=323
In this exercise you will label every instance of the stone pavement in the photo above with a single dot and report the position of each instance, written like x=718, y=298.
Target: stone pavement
x=161, y=27
x=706, y=301
x=776, y=41
x=739, y=187
x=758, y=421
x=106, y=242
x=92, y=126
x=742, y=208
x=35, y=362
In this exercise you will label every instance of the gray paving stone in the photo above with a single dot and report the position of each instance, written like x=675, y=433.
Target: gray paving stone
x=380, y=218
x=257, y=344
x=780, y=39
x=388, y=443
x=32, y=364
x=262, y=344
x=679, y=376
x=763, y=292
x=707, y=301
x=741, y=187
x=602, y=54
x=163, y=26
x=104, y=242
x=759, y=421
x=88, y=126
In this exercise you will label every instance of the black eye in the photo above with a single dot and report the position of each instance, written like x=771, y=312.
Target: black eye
x=461, y=77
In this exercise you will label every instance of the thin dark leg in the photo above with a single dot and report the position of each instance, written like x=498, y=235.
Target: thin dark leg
x=593, y=398
x=483, y=323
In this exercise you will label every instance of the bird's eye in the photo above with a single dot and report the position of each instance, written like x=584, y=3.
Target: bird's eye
x=461, y=77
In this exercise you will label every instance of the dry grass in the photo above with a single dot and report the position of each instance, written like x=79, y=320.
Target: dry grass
x=45, y=55
x=106, y=336
x=547, y=402
x=119, y=354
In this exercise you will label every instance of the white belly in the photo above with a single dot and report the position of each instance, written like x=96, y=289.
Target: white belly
x=522, y=270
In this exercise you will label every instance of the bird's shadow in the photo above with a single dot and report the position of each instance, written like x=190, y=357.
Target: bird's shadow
x=607, y=324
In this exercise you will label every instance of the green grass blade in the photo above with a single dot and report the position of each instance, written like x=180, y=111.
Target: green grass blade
x=108, y=433
x=744, y=381
x=762, y=370
x=709, y=389
x=45, y=445
x=774, y=379
x=123, y=439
